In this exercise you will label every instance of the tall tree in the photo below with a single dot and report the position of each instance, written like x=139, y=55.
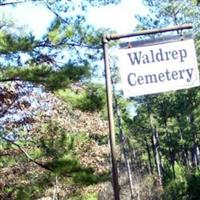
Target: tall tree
x=35, y=125
x=175, y=112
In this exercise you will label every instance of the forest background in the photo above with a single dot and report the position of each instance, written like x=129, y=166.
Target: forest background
x=53, y=118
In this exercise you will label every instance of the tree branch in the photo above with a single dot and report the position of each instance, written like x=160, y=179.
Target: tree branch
x=12, y=3
x=56, y=14
x=26, y=154
x=10, y=79
x=15, y=2
x=73, y=44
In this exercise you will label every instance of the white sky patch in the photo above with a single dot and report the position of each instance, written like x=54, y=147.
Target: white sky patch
x=35, y=17
x=118, y=17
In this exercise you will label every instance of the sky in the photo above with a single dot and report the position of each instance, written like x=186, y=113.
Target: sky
x=118, y=17
x=35, y=18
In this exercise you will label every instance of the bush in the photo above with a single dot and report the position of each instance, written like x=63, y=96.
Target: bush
x=93, y=98
x=175, y=188
x=193, y=181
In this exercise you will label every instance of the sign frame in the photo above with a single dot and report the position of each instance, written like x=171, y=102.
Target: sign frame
x=158, y=67
x=105, y=41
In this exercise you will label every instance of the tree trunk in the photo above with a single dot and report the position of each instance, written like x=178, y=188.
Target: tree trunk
x=184, y=156
x=150, y=165
x=155, y=145
x=170, y=150
x=124, y=149
x=195, y=148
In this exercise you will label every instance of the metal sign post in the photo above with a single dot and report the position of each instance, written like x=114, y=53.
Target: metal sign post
x=105, y=40
x=111, y=119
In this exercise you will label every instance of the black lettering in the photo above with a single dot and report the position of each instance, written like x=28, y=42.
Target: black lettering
x=161, y=77
x=167, y=74
x=181, y=73
x=135, y=57
x=167, y=55
x=183, y=54
x=131, y=79
x=140, y=80
x=159, y=56
x=150, y=78
x=189, y=73
x=174, y=75
x=174, y=54
x=145, y=59
x=152, y=56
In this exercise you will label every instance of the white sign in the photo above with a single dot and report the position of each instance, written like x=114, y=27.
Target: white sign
x=158, y=68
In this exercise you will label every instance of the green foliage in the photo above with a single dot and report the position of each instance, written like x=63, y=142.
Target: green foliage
x=7, y=161
x=54, y=32
x=59, y=146
x=55, y=141
x=71, y=97
x=64, y=166
x=36, y=153
x=193, y=181
x=175, y=188
x=52, y=79
x=65, y=55
x=173, y=114
x=27, y=193
x=184, y=187
x=87, y=177
x=92, y=98
x=35, y=189
x=12, y=44
x=95, y=98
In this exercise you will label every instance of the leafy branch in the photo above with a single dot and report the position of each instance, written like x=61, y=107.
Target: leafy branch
x=26, y=154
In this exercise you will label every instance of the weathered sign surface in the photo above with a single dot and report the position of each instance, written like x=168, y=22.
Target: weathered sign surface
x=158, y=68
